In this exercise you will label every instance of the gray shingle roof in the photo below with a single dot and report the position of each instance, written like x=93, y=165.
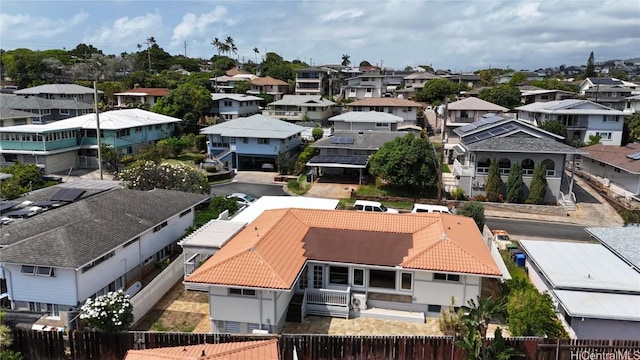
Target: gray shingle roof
x=6, y=113
x=622, y=241
x=34, y=103
x=76, y=234
x=363, y=140
x=57, y=89
x=254, y=126
x=522, y=144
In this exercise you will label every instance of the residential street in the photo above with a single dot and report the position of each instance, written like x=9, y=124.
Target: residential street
x=525, y=229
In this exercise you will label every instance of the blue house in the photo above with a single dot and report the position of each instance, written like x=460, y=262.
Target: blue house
x=73, y=143
x=253, y=142
x=233, y=106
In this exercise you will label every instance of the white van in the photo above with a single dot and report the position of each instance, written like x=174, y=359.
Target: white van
x=418, y=208
x=364, y=205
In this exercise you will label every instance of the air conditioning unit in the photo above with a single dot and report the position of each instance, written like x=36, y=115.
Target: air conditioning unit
x=606, y=182
x=359, y=301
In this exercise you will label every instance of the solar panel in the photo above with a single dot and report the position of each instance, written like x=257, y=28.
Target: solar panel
x=635, y=156
x=344, y=160
x=20, y=213
x=6, y=205
x=467, y=128
x=342, y=140
x=68, y=195
x=335, y=140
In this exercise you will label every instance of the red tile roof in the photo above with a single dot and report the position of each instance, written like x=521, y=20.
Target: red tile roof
x=271, y=251
x=247, y=350
x=234, y=71
x=615, y=155
x=385, y=102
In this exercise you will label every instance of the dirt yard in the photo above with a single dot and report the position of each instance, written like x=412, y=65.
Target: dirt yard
x=188, y=311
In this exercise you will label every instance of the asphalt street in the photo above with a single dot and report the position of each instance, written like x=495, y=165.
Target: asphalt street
x=521, y=229
x=255, y=190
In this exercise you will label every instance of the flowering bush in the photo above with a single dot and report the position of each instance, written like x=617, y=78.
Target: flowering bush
x=149, y=176
x=111, y=312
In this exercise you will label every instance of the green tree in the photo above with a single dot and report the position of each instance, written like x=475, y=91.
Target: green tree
x=110, y=156
x=591, y=67
x=364, y=63
x=154, y=153
x=503, y=95
x=24, y=66
x=317, y=133
x=6, y=340
x=555, y=127
x=515, y=191
x=631, y=129
x=221, y=203
x=594, y=139
x=619, y=74
x=149, y=175
x=473, y=210
x=436, y=89
x=241, y=87
x=111, y=313
x=406, y=161
x=346, y=60
x=517, y=78
x=187, y=102
x=489, y=77
x=267, y=98
x=554, y=84
x=83, y=51
x=538, y=185
x=494, y=182
x=175, y=145
x=25, y=177
x=531, y=313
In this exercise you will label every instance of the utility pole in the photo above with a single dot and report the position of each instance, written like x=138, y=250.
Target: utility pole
x=441, y=152
x=95, y=108
x=149, y=53
x=185, y=48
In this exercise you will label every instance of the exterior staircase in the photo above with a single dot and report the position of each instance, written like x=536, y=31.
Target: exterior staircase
x=448, y=182
x=568, y=201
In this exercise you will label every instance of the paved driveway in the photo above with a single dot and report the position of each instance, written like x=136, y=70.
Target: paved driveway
x=255, y=190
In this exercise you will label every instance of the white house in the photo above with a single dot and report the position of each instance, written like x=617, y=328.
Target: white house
x=406, y=109
x=582, y=118
x=597, y=293
x=633, y=104
x=300, y=108
x=140, y=96
x=249, y=143
x=368, y=85
x=233, y=106
x=370, y=120
x=289, y=263
x=84, y=247
x=508, y=141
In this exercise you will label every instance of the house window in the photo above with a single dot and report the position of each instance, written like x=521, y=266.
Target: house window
x=28, y=269
x=358, y=277
x=434, y=308
x=131, y=242
x=611, y=118
x=604, y=135
x=98, y=261
x=446, y=277
x=232, y=140
x=159, y=227
x=616, y=170
x=263, y=141
x=46, y=112
x=158, y=126
x=37, y=270
x=138, y=128
x=64, y=111
x=242, y=292
x=382, y=125
x=304, y=278
x=317, y=277
x=549, y=167
x=20, y=122
x=338, y=275
x=245, y=140
x=227, y=103
x=186, y=212
x=527, y=167
x=406, y=281
x=369, y=90
x=382, y=279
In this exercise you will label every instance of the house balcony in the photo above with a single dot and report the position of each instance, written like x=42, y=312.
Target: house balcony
x=576, y=124
x=287, y=115
x=462, y=170
x=462, y=120
x=321, y=302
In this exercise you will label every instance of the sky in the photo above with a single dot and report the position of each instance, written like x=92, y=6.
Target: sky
x=446, y=34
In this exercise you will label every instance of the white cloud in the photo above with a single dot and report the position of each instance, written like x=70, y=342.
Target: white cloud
x=127, y=30
x=342, y=15
x=27, y=26
x=198, y=26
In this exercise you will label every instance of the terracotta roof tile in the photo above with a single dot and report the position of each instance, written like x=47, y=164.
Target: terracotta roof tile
x=246, y=350
x=385, y=102
x=271, y=251
x=268, y=80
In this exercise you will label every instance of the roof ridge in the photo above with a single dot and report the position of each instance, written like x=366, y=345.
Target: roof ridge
x=421, y=252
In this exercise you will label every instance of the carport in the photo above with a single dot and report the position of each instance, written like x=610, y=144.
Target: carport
x=353, y=162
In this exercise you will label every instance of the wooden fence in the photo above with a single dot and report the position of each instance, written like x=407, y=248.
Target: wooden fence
x=36, y=345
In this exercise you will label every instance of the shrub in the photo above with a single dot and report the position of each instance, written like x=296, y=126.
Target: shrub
x=538, y=186
x=515, y=191
x=201, y=142
x=474, y=210
x=198, y=158
x=317, y=133
x=494, y=182
x=149, y=175
x=458, y=194
x=112, y=312
x=211, y=169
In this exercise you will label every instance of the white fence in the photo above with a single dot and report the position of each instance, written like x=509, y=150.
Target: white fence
x=144, y=300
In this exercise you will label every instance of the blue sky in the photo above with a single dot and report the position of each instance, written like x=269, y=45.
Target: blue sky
x=456, y=35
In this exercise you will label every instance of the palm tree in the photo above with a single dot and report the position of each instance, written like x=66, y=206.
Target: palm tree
x=231, y=45
x=217, y=44
x=479, y=314
x=346, y=60
x=5, y=332
x=256, y=51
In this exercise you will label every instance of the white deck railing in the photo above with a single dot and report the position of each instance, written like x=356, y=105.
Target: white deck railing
x=329, y=297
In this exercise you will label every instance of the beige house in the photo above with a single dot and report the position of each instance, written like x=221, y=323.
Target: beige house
x=268, y=85
x=10, y=117
x=406, y=109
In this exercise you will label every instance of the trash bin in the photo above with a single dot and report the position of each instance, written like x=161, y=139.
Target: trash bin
x=310, y=176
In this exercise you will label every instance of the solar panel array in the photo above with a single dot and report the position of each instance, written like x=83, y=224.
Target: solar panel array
x=346, y=160
x=342, y=140
x=6, y=205
x=497, y=131
x=68, y=195
x=635, y=156
x=485, y=120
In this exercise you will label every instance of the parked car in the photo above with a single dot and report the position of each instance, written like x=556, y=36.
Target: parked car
x=242, y=199
x=268, y=167
x=419, y=208
x=363, y=205
x=502, y=239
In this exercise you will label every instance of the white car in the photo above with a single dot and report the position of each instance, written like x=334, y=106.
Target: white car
x=242, y=199
x=363, y=205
